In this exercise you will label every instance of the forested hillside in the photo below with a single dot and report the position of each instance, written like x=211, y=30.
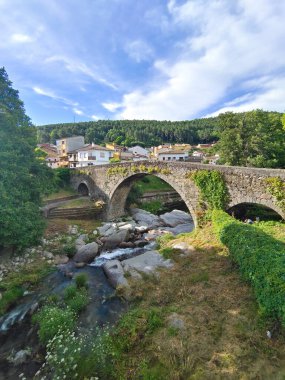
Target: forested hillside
x=130, y=132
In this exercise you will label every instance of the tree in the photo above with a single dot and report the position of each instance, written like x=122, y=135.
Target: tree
x=21, y=173
x=254, y=138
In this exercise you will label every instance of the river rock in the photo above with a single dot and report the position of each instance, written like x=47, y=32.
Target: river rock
x=60, y=259
x=80, y=241
x=176, y=322
x=181, y=228
x=80, y=265
x=114, y=240
x=141, y=243
x=108, y=229
x=48, y=255
x=145, y=218
x=21, y=357
x=127, y=244
x=86, y=253
x=115, y=273
x=183, y=246
x=148, y=262
x=73, y=230
x=175, y=217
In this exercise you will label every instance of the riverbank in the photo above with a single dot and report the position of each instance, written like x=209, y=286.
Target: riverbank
x=206, y=324
x=194, y=319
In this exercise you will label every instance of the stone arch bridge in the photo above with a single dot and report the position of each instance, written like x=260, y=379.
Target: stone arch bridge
x=112, y=183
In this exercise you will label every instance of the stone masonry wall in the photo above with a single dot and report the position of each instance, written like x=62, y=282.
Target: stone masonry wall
x=244, y=184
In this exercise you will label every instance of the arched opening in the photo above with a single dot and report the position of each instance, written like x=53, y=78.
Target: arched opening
x=153, y=194
x=83, y=189
x=148, y=192
x=254, y=212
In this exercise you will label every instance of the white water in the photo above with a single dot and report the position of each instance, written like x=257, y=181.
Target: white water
x=121, y=253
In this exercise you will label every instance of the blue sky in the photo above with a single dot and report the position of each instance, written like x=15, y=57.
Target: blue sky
x=143, y=59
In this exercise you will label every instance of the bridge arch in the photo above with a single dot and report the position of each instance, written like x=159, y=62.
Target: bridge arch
x=252, y=210
x=120, y=192
x=83, y=189
x=267, y=203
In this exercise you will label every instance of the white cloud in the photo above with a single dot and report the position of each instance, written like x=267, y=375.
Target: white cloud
x=139, y=50
x=76, y=66
x=54, y=96
x=77, y=111
x=232, y=43
x=95, y=117
x=111, y=107
x=21, y=38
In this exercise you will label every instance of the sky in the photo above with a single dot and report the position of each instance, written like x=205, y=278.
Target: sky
x=143, y=59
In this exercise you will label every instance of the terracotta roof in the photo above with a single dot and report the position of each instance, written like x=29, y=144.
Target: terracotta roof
x=91, y=147
x=172, y=152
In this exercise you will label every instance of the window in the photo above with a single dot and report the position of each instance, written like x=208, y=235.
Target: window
x=62, y=142
x=63, y=150
x=102, y=155
x=85, y=155
x=169, y=158
x=163, y=158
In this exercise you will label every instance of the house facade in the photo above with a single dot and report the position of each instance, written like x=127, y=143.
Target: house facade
x=171, y=155
x=89, y=155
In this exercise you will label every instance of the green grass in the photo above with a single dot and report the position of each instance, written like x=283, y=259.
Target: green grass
x=152, y=183
x=14, y=285
x=77, y=203
x=65, y=192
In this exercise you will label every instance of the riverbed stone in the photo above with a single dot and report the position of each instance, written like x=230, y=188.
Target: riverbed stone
x=147, y=262
x=115, y=273
x=60, y=259
x=175, y=321
x=145, y=218
x=80, y=241
x=181, y=228
x=86, y=253
x=175, y=217
x=21, y=357
x=113, y=241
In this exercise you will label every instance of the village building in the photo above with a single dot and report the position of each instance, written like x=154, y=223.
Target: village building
x=89, y=155
x=52, y=158
x=65, y=146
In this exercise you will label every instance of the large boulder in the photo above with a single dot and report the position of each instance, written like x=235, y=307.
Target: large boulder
x=181, y=228
x=107, y=229
x=87, y=253
x=80, y=241
x=114, y=240
x=115, y=273
x=148, y=263
x=145, y=218
x=175, y=217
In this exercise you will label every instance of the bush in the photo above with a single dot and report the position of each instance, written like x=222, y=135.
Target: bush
x=69, y=249
x=155, y=207
x=52, y=321
x=81, y=280
x=261, y=260
x=79, y=301
x=9, y=298
x=69, y=292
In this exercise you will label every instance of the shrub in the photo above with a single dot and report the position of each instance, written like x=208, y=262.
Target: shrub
x=70, y=292
x=69, y=249
x=261, y=260
x=9, y=298
x=52, y=321
x=81, y=280
x=155, y=207
x=79, y=301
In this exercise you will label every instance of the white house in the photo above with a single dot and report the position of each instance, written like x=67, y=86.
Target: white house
x=139, y=150
x=172, y=155
x=89, y=155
